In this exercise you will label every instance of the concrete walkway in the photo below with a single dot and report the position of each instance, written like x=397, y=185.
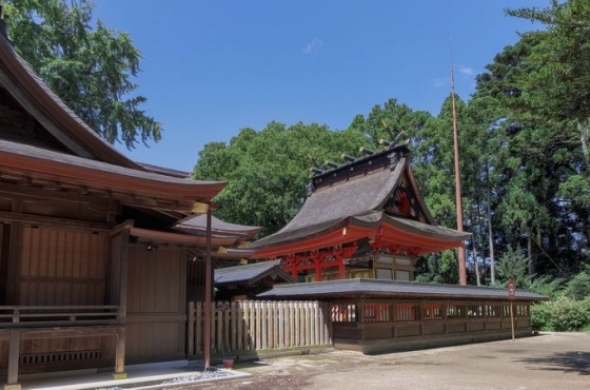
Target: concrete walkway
x=140, y=376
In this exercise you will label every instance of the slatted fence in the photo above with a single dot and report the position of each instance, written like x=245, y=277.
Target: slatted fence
x=240, y=327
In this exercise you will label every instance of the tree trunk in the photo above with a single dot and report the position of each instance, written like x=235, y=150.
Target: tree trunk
x=530, y=252
x=476, y=263
x=490, y=229
x=583, y=129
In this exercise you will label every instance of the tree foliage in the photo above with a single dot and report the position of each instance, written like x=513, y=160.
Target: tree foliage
x=523, y=156
x=267, y=171
x=88, y=65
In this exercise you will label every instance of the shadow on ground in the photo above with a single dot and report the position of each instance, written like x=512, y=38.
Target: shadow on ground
x=571, y=361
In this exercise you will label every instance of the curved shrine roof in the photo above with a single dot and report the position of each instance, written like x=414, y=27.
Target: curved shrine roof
x=356, y=200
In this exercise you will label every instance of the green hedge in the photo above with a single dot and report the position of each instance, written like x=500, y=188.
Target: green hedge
x=561, y=314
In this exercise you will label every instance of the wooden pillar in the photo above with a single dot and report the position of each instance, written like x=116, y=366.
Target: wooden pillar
x=13, y=355
x=119, y=282
x=120, y=355
x=341, y=267
x=293, y=267
x=318, y=268
x=208, y=293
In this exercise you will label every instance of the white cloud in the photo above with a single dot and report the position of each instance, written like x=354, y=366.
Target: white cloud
x=439, y=82
x=314, y=46
x=466, y=70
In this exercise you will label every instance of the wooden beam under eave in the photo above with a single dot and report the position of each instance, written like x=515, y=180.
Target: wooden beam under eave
x=76, y=193
x=12, y=217
x=35, y=193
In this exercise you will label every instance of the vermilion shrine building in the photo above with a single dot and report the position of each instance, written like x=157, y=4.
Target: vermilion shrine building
x=363, y=219
x=357, y=238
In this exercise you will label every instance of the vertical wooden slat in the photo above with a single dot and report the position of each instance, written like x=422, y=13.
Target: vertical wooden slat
x=234, y=326
x=199, y=328
x=309, y=323
x=258, y=338
x=216, y=331
x=252, y=326
x=282, y=325
x=297, y=319
x=239, y=321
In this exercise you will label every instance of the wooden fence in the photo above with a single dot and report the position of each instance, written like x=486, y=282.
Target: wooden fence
x=250, y=326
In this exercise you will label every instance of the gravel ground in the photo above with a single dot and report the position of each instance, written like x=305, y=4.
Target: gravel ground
x=556, y=361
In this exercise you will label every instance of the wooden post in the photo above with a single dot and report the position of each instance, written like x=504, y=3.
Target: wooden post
x=123, y=281
x=512, y=320
x=13, y=355
x=318, y=267
x=208, y=293
x=341, y=267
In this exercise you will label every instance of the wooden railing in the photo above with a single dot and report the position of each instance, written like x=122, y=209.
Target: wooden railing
x=30, y=317
x=251, y=326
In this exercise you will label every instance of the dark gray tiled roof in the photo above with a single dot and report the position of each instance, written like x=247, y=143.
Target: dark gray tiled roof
x=372, y=287
x=356, y=201
x=329, y=206
x=250, y=272
x=198, y=223
x=410, y=225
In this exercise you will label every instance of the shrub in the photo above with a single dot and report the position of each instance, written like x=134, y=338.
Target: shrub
x=579, y=287
x=562, y=314
x=541, y=317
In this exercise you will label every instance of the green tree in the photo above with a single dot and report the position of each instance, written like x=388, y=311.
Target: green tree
x=268, y=171
x=88, y=65
x=513, y=265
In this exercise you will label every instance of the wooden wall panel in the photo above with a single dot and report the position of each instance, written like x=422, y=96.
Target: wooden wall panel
x=156, y=311
x=4, y=353
x=157, y=281
x=62, y=266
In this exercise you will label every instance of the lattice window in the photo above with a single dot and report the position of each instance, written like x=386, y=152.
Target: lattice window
x=344, y=313
x=493, y=311
x=406, y=312
x=475, y=311
x=377, y=312
x=522, y=310
x=455, y=311
x=432, y=312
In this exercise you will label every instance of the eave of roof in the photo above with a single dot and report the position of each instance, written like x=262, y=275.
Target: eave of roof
x=197, y=224
x=422, y=237
x=92, y=173
x=178, y=238
x=47, y=108
x=248, y=274
x=386, y=288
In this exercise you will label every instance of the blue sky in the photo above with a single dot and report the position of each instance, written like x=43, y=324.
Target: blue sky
x=211, y=68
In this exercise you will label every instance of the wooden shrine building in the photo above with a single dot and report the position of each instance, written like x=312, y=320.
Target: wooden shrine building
x=355, y=242
x=362, y=219
x=93, y=258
